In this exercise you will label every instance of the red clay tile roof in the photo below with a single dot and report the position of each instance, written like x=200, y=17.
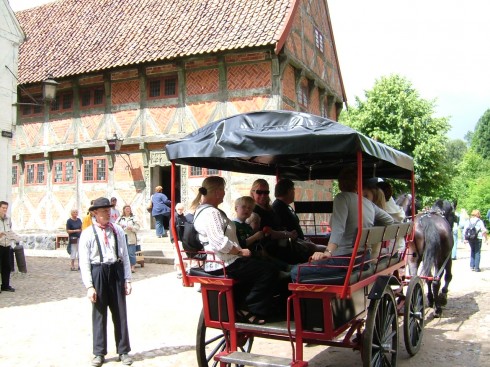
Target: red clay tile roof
x=69, y=37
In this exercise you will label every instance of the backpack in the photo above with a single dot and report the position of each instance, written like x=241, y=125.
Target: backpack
x=190, y=239
x=471, y=234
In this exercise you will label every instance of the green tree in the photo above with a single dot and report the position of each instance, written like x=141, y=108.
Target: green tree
x=455, y=152
x=395, y=114
x=481, y=138
x=472, y=185
x=456, y=149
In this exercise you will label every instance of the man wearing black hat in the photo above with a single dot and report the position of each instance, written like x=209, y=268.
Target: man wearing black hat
x=106, y=273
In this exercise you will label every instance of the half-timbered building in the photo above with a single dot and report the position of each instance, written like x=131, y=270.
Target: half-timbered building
x=150, y=72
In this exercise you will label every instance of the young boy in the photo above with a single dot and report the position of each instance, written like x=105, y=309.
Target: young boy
x=247, y=237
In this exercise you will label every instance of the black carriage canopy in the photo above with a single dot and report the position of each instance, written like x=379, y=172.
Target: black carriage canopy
x=294, y=145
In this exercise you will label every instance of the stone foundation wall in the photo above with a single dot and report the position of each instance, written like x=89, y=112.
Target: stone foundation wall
x=42, y=241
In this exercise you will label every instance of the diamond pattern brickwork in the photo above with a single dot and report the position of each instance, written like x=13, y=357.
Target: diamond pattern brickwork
x=125, y=92
x=248, y=104
x=314, y=105
x=249, y=76
x=289, y=84
x=202, y=82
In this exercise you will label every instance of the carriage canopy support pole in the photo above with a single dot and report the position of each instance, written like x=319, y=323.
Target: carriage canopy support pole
x=413, y=206
x=359, y=224
x=185, y=278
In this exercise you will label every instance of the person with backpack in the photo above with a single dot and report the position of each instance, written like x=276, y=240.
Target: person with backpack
x=474, y=231
x=217, y=233
x=180, y=220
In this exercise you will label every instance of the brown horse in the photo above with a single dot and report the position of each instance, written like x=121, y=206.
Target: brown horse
x=433, y=243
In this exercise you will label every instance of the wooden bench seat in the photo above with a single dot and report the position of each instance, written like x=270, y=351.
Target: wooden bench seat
x=371, y=242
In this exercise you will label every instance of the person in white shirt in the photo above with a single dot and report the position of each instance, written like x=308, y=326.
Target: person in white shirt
x=106, y=274
x=218, y=235
x=475, y=245
x=344, y=229
x=115, y=214
x=6, y=238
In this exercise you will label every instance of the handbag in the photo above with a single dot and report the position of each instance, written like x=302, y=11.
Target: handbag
x=149, y=207
x=68, y=249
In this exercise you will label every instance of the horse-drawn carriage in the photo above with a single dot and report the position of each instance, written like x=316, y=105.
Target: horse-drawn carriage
x=361, y=307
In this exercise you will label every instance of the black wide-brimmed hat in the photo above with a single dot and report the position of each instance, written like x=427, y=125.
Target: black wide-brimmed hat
x=101, y=203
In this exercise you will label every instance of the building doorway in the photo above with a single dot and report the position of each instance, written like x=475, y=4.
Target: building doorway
x=161, y=176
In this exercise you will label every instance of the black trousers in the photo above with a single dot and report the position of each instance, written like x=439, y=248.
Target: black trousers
x=257, y=284
x=109, y=283
x=5, y=265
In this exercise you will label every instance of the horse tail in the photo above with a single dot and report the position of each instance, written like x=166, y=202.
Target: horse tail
x=432, y=245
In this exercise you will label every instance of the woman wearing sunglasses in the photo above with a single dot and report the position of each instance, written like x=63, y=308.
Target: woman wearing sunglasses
x=276, y=244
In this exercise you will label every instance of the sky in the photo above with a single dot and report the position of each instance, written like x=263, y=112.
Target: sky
x=440, y=46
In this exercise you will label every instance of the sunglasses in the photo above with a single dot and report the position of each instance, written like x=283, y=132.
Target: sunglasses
x=262, y=192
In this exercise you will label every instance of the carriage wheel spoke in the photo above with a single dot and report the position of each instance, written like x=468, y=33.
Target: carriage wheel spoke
x=212, y=340
x=220, y=347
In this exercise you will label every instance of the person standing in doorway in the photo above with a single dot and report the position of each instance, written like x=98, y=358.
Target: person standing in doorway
x=74, y=229
x=160, y=211
x=6, y=237
x=106, y=274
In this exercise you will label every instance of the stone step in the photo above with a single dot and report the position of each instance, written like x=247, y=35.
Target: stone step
x=159, y=260
x=156, y=250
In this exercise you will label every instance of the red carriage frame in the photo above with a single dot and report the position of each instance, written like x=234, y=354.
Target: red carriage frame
x=317, y=148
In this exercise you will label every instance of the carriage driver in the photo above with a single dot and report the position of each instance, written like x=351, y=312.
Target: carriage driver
x=106, y=273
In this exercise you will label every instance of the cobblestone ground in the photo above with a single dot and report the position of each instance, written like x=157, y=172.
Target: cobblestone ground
x=47, y=321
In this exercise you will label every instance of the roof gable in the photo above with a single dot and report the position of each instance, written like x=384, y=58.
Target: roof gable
x=9, y=26
x=70, y=37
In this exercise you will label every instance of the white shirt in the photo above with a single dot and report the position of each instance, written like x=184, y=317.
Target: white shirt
x=218, y=234
x=394, y=210
x=114, y=215
x=88, y=251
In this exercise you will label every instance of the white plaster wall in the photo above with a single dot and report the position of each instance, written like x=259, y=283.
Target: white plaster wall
x=10, y=38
